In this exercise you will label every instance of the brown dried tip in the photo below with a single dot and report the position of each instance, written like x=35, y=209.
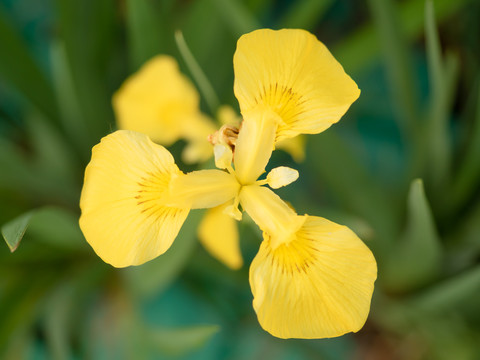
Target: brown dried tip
x=226, y=135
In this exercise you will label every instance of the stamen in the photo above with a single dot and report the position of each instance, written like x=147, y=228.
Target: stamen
x=226, y=135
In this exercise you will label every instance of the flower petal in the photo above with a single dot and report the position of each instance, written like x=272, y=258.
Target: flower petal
x=203, y=189
x=295, y=75
x=295, y=146
x=196, y=133
x=255, y=144
x=157, y=101
x=270, y=213
x=317, y=286
x=123, y=218
x=218, y=233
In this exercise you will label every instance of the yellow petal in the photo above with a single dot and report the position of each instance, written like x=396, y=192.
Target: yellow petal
x=295, y=146
x=281, y=176
x=270, y=213
x=203, y=189
x=223, y=156
x=227, y=116
x=157, y=101
x=317, y=286
x=254, y=145
x=295, y=75
x=123, y=217
x=218, y=233
x=196, y=133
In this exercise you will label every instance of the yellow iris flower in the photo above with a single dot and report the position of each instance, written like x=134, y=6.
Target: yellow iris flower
x=311, y=278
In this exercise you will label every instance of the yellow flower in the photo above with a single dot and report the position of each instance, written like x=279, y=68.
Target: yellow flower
x=162, y=103
x=311, y=278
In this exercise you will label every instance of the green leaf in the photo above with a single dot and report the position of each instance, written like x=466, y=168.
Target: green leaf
x=14, y=230
x=399, y=69
x=442, y=78
x=76, y=128
x=50, y=225
x=362, y=47
x=54, y=160
x=417, y=258
x=468, y=174
x=305, y=14
x=237, y=17
x=176, y=341
x=146, y=34
x=449, y=294
x=348, y=181
x=19, y=68
x=202, y=81
x=89, y=51
x=28, y=180
x=152, y=277
x=209, y=40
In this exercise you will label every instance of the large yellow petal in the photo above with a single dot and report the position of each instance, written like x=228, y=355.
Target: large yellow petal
x=123, y=215
x=157, y=101
x=318, y=286
x=203, y=189
x=218, y=233
x=255, y=144
x=295, y=75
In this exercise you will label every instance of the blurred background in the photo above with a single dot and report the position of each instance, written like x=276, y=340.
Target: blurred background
x=402, y=168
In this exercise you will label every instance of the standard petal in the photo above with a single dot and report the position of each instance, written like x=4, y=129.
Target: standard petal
x=157, y=101
x=317, y=286
x=203, y=189
x=218, y=233
x=196, y=134
x=255, y=144
x=295, y=75
x=123, y=217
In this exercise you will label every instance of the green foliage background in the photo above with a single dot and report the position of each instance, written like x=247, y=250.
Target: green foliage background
x=402, y=169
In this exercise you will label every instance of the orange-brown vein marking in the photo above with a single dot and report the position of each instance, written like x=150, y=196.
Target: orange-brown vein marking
x=295, y=257
x=152, y=189
x=287, y=103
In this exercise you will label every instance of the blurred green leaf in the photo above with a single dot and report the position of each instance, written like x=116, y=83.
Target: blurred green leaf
x=20, y=69
x=304, y=14
x=180, y=340
x=54, y=159
x=450, y=293
x=27, y=180
x=87, y=29
x=350, y=182
x=442, y=78
x=464, y=244
x=50, y=225
x=14, y=230
x=361, y=47
x=468, y=174
x=57, y=227
x=399, y=69
x=202, y=81
x=57, y=318
x=20, y=305
x=152, y=277
x=434, y=52
x=146, y=34
x=68, y=102
x=212, y=45
x=236, y=16
x=417, y=259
